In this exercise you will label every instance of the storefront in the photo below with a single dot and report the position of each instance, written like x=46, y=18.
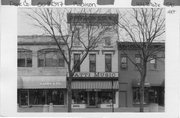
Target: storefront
x=40, y=90
x=98, y=90
x=152, y=93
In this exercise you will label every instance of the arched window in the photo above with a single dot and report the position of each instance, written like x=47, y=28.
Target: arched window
x=24, y=58
x=50, y=58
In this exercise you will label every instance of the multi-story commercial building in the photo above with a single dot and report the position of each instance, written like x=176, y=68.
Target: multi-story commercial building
x=129, y=76
x=105, y=78
x=42, y=71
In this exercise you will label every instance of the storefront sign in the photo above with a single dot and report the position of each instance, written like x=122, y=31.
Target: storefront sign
x=96, y=74
x=49, y=83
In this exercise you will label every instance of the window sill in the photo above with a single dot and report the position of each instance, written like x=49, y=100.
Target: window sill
x=108, y=46
x=77, y=46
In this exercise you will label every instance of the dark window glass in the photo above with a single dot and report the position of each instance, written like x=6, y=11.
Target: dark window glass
x=108, y=62
x=124, y=62
x=138, y=60
x=92, y=63
x=29, y=62
x=24, y=58
x=50, y=58
x=21, y=62
x=79, y=97
x=77, y=62
x=41, y=97
x=106, y=97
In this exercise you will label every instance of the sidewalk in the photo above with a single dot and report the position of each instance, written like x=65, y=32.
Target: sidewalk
x=64, y=109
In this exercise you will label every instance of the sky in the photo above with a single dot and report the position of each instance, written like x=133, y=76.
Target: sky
x=26, y=27
x=25, y=24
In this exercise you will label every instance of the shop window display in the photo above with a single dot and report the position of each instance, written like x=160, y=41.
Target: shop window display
x=106, y=97
x=41, y=97
x=79, y=97
x=136, y=95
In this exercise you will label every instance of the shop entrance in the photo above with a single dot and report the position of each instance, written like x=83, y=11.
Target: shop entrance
x=92, y=98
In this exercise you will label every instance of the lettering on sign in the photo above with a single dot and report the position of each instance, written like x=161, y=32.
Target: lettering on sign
x=50, y=83
x=96, y=74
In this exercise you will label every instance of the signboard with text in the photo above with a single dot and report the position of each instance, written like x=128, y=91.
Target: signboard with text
x=96, y=74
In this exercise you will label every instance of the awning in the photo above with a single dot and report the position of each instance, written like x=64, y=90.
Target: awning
x=19, y=82
x=94, y=85
x=136, y=83
x=40, y=82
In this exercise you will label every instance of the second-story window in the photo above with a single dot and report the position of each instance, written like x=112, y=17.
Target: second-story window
x=50, y=58
x=138, y=60
x=24, y=58
x=92, y=63
x=76, y=41
x=77, y=62
x=153, y=62
x=108, y=62
x=124, y=64
x=107, y=41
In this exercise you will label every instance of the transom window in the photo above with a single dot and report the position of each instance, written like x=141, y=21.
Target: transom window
x=24, y=58
x=50, y=58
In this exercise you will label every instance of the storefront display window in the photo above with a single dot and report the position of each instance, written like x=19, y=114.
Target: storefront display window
x=41, y=97
x=79, y=97
x=22, y=97
x=106, y=97
x=136, y=95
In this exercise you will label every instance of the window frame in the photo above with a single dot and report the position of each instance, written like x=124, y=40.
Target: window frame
x=154, y=65
x=44, y=53
x=92, y=62
x=25, y=57
x=107, y=41
x=124, y=63
x=78, y=68
x=76, y=42
x=106, y=64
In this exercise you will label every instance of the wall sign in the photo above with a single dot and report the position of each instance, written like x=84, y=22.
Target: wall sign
x=50, y=83
x=95, y=74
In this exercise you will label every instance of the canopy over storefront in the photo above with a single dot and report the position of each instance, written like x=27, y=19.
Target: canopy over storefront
x=94, y=85
x=136, y=83
x=40, y=82
x=19, y=82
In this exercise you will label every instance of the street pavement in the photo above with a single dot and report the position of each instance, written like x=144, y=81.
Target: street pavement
x=64, y=109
